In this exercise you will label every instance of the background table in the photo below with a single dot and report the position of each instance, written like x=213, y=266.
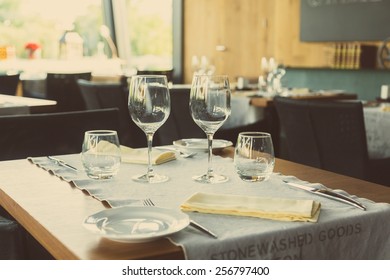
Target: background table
x=377, y=123
x=35, y=105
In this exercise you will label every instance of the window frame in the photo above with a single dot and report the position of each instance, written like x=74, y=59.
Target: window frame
x=115, y=18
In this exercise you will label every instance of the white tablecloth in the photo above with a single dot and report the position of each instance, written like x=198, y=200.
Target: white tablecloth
x=243, y=113
x=342, y=232
x=377, y=123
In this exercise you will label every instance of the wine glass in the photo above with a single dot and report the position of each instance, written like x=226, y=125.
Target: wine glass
x=149, y=107
x=210, y=108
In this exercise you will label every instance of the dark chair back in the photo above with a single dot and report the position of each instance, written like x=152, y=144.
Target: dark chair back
x=341, y=137
x=51, y=134
x=63, y=88
x=9, y=83
x=328, y=135
x=11, y=239
x=231, y=134
x=180, y=124
x=296, y=127
x=34, y=87
x=168, y=73
x=100, y=95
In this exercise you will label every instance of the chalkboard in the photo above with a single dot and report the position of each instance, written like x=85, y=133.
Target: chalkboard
x=344, y=20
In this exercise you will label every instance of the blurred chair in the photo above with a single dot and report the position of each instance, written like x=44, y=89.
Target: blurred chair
x=34, y=86
x=12, y=246
x=51, y=134
x=100, y=95
x=231, y=134
x=63, y=88
x=330, y=136
x=297, y=131
x=168, y=73
x=9, y=83
x=180, y=124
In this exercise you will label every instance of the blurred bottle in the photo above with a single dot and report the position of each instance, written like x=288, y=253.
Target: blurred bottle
x=71, y=45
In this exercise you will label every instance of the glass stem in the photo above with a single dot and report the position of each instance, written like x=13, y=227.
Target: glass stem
x=149, y=138
x=210, y=155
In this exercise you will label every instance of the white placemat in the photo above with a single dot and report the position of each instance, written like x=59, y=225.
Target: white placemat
x=342, y=231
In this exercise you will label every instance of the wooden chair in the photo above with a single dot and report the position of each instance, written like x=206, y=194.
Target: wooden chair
x=100, y=95
x=330, y=136
x=9, y=83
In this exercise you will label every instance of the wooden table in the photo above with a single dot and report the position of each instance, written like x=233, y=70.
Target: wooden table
x=53, y=211
x=35, y=105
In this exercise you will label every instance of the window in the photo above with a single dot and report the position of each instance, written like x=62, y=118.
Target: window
x=148, y=33
x=42, y=22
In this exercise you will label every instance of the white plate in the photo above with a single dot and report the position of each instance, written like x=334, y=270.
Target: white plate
x=199, y=145
x=133, y=224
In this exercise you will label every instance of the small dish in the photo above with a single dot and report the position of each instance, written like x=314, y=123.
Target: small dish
x=200, y=144
x=131, y=224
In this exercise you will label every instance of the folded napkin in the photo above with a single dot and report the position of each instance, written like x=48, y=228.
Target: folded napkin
x=252, y=206
x=385, y=107
x=140, y=156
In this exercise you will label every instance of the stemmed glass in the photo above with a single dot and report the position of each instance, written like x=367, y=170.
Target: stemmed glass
x=210, y=108
x=149, y=107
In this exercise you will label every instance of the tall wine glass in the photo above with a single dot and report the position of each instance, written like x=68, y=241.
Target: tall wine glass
x=149, y=107
x=210, y=108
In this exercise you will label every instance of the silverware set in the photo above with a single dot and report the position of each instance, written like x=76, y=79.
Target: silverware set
x=325, y=192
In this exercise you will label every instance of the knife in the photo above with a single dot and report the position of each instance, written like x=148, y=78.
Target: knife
x=202, y=228
x=62, y=163
x=329, y=194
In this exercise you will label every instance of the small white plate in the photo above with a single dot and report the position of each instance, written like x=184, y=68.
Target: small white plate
x=200, y=145
x=131, y=224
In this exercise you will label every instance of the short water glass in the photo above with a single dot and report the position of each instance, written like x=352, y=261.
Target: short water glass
x=101, y=155
x=254, y=158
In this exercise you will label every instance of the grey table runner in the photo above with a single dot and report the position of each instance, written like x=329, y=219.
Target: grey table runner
x=342, y=231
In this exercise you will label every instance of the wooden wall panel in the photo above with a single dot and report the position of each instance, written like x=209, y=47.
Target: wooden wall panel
x=241, y=26
x=288, y=48
x=249, y=29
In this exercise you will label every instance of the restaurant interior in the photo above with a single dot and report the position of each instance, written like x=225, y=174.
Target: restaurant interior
x=311, y=75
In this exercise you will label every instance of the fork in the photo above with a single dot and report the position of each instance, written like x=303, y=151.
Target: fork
x=149, y=202
x=62, y=163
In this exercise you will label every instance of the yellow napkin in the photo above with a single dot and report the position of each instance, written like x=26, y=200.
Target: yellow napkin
x=140, y=156
x=252, y=206
x=385, y=107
